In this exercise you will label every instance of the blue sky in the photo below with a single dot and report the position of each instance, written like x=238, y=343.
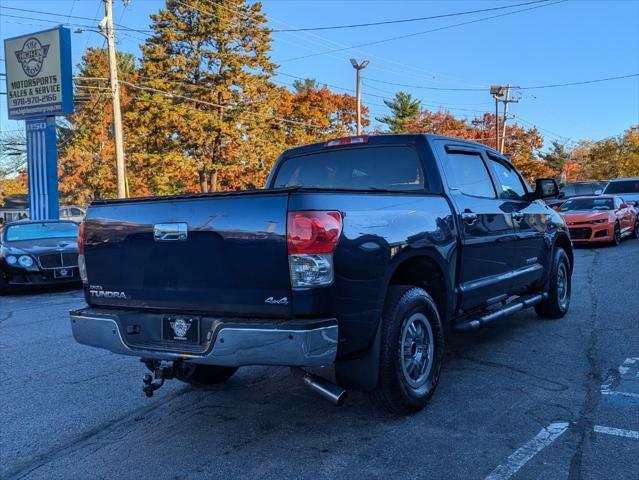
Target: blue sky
x=566, y=42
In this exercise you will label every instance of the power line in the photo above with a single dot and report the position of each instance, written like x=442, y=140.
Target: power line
x=556, y=85
x=203, y=102
x=82, y=25
x=585, y=82
x=405, y=20
x=461, y=89
x=40, y=12
x=399, y=37
x=76, y=17
x=405, y=68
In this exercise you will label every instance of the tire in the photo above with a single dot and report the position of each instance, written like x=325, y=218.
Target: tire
x=616, y=240
x=410, y=319
x=205, y=374
x=635, y=232
x=558, y=301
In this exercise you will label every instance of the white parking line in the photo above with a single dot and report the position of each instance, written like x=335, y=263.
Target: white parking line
x=523, y=454
x=623, y=394
x=608, y=387
x=619, y=432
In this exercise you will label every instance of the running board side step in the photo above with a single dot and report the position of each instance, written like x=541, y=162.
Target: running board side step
x=519, y=304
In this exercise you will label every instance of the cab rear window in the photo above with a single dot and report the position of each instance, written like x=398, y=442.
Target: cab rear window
x=362, y=168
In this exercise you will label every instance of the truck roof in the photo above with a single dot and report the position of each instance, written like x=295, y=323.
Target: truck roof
x=386, y=139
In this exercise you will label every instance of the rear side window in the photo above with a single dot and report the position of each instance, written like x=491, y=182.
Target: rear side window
x=467, y=173
x=623, y=186
x=510, y=186
x=362, y=168
x=585, y=189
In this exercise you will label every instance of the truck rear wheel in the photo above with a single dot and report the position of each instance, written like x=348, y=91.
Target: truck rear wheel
x=558, y=301
x=411, y=350
x=204, y=374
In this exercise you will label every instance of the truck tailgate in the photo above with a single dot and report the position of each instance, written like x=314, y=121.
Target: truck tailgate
x=231, y=260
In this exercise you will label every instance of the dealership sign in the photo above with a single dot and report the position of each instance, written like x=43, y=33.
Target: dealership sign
x=38, y=69
x=39, y=87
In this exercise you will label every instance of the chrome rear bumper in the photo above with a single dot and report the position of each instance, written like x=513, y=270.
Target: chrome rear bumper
x=305, y=343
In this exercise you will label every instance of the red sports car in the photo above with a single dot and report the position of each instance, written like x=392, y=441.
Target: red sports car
x=604, y=218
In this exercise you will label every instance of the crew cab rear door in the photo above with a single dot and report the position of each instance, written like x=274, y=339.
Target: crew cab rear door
x=486, y=228
x=530, y=219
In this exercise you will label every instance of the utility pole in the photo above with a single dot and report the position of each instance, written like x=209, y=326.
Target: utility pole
x=358, y=68
x=115, y=94
x=506, y=101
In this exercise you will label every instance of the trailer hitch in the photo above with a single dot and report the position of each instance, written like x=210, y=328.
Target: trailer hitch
x=162, y=370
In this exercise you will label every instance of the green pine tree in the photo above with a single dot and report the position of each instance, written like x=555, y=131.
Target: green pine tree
x=403, y=108
x=557, y=156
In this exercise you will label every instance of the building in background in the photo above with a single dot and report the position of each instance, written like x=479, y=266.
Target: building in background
x=14, y=208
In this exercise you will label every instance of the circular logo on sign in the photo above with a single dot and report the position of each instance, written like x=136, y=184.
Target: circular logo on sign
x=32, y=56
x=180, y=328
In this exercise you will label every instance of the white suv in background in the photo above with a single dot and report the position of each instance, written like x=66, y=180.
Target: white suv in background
x=75, y=214
x=626, y=188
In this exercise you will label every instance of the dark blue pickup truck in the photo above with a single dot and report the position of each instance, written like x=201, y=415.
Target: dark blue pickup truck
x=361, y=253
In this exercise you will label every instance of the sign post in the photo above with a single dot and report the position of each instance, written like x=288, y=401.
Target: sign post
x=39, y=87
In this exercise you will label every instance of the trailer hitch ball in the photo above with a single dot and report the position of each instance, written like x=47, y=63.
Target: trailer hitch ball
x=163, y=371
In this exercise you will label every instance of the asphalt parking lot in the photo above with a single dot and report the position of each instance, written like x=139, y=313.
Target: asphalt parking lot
x=523, y=398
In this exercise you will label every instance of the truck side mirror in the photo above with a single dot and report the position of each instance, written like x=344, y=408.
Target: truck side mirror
x=546, y=187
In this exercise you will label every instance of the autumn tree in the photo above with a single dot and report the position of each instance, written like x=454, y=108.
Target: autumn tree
x=13, y=160
x=315, y=113
x=216, y=53
x=404, y=108
x=86, y=166
x=611, y=157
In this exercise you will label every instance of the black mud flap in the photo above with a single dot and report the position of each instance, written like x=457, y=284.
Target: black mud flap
x=362, y=373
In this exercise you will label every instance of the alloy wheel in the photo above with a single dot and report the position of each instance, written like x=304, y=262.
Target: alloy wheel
x=562, y=285
x=416, y=349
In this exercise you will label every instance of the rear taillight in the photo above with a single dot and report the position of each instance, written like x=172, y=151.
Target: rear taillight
x=313, y=232
x=312, y=237
x=81, y=238
x=81, y=263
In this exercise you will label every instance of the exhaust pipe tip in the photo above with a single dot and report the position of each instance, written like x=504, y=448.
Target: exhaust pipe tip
x=330, y=391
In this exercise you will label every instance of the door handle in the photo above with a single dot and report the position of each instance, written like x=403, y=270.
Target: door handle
x=469, y=217
x=170, y=232
x=517, y=215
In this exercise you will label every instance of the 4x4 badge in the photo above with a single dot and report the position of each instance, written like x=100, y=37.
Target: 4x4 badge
x=281, y=301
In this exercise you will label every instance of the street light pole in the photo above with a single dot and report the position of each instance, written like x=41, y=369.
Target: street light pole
x=358, y=68
x=497, y=91
x=115, y=95
x=496, y=123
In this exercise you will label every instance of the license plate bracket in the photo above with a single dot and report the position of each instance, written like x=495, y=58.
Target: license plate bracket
x=181, y=329
x=63, y=273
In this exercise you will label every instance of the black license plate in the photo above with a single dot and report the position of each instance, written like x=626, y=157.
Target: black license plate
x=181, y=329
x=63, y=273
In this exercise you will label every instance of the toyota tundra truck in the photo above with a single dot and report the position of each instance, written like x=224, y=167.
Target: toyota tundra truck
x=361, y=254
